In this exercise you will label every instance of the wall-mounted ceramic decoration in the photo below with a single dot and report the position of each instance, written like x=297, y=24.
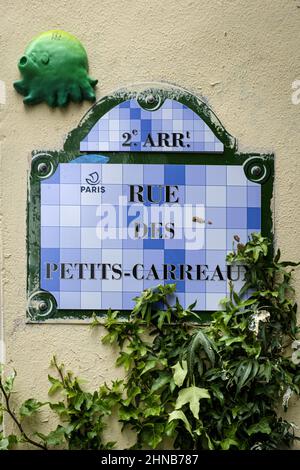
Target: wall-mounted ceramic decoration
x=149, y=189
x=54, y=69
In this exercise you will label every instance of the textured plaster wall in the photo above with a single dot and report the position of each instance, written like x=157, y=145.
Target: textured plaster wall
x=241, y=55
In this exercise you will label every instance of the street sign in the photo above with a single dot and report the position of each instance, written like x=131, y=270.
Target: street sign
x=148, y=190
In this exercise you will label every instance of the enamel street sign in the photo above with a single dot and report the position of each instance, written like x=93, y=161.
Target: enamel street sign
x=148, y=190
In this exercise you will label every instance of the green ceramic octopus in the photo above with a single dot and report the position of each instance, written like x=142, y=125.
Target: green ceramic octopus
x=55, y=69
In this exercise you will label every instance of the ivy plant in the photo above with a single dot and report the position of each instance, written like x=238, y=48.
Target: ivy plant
x=82, y=414
x=187, y=384
x=214, y=386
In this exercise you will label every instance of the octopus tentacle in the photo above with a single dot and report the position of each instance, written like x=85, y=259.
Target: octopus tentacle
x=75, y=93
x=32, y=99
x=51, y=99
x=62, y=97
x=20, y=87
x=88, y=92
x=92, y=82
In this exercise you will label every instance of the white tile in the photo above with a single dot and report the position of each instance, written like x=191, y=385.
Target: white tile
x=167, y=113
x=235, y=176
x=70, y=216
x=91, y=300
x=112, y=174
x=112, y=256
x=216, y=196
x=111, y=285
x=209, y=136
x=213, y=301
x=215, y=239
x=114, y=136
x=69, y=300
x=90, y=199
x=114, y=124
x=69, y=237
x=90, y=238
x=69, y=194
x=111, y=300
x=49, y=216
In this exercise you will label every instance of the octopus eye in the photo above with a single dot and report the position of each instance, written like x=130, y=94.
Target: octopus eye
x=23, y=60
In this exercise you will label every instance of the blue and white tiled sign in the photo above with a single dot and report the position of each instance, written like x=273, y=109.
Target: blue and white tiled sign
x=172, y=128
x=108, y=231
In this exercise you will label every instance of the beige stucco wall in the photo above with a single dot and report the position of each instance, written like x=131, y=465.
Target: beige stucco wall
x=241, y=55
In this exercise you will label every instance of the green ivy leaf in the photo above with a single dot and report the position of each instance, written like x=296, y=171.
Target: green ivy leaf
x=180, y=416
x=228, y=442
x=152, y=434
x=60, y=408
x=192, y=396
x=179, y=373
x=162, y=380
x=79, y=401
x=228, y=340
x=56, y=385
x=29, y=407
x=9, y=382
x=125, y=360
x=262, y=426
x=56, y=437
x=4, y=443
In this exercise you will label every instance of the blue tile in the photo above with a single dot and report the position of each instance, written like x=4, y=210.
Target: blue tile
x=146, y=125
x=254, y=218
x=54, y=179
x=174, y=174
x=195, y=175
x=73, y=255
x=50, y=255
x=174, y=256
x=128, y=243
x=215, y=217
x=216, y=258
x=193, y=257
x=155, y=257
x=70, y=173
x=154, y=174
x=111, y=300
x=174, y=244
x=254, y=196
x=236, y=217
x=70, y=300
x=216, y=175
x=50, y=237
x=237, y=196
x=128, y=302
x=135, y=113
x=124, y=114
x=194, y=296
x=199, y=147
x=151, y=244
x=195, y=286
x=125, y=104
x=50, y=194
x=70, y=285
x=89, y=217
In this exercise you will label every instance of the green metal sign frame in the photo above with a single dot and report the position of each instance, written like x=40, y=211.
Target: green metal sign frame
x=258, y=168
